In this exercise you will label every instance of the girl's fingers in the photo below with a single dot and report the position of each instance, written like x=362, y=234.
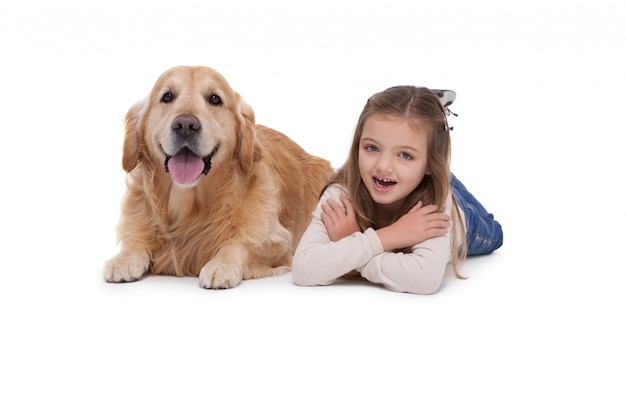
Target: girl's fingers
x=328, y=214
x=346, y=202
x=440, y=217
x=348, y=205
x=416, y=207
x=341, y=209
x=335, y=207
x=431, y=208
x=329, y=219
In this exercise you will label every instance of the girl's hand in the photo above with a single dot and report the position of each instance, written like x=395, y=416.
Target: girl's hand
x=340, y=221
x=419, y=224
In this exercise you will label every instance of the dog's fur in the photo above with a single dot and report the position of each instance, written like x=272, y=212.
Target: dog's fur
x=240, y=220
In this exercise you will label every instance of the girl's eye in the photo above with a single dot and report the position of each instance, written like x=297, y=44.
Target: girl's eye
x=167, y=97
x=371, y=148
x=405, y=155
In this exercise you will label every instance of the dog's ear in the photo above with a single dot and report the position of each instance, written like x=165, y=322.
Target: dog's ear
x=132, y=137
x=247, y=150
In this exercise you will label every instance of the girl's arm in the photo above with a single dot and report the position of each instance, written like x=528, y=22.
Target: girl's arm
x=419, y=224
x=420, y=272
x=320, y=261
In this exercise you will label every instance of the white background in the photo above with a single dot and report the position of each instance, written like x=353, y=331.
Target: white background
x=538, y=329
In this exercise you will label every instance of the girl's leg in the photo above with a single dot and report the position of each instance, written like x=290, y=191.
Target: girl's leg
x=484, y=233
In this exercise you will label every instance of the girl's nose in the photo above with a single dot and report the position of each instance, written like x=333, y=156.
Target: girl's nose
x=384, y=165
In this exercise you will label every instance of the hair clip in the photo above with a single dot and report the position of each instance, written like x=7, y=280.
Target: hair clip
x=445, y=122
x=446, y=112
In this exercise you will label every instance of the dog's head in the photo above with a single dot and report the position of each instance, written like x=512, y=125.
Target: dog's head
x=191, y=121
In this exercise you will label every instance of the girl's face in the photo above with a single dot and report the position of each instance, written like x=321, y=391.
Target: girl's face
x=392, y=159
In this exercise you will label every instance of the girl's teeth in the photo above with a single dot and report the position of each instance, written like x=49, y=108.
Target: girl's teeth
x=383, y=182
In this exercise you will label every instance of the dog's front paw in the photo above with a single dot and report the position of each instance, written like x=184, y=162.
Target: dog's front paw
x=217, y=274
x=126, y=267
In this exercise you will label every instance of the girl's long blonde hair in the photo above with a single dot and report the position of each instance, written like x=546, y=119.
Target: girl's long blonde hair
x=414, y=104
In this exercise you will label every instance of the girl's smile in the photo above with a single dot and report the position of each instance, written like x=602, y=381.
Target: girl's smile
x=383, y=185
x=392, y=158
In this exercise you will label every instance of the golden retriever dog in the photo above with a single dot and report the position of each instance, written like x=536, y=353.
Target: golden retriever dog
x=209, y=192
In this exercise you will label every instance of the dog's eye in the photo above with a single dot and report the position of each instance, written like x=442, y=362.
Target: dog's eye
x=215, y=100
x=167, y=97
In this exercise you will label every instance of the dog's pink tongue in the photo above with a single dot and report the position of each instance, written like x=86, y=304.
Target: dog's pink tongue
x=185, y=166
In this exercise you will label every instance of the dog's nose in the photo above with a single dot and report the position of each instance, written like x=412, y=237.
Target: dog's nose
x=186, y=125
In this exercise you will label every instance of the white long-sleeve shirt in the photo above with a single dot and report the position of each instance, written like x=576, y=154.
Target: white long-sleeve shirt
x=320, y=261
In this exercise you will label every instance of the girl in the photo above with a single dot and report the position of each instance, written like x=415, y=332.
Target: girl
x=394, y=213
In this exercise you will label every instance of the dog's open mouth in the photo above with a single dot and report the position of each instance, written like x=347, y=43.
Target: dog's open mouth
x=185, y=167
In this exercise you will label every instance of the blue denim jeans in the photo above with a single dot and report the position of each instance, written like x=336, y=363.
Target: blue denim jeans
x=484, y=233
